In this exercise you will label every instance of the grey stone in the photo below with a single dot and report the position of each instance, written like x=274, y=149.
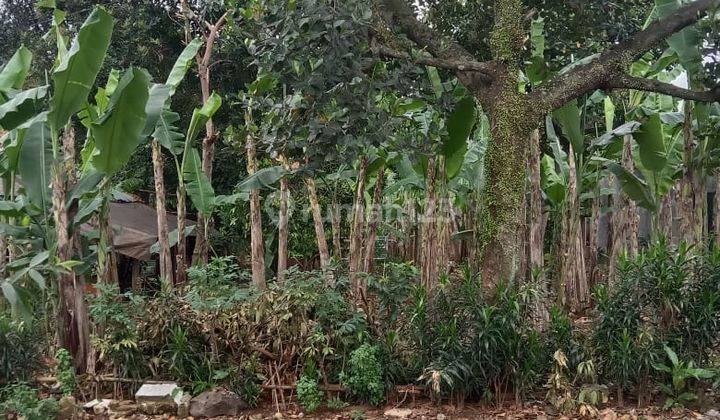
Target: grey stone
x=154, y=408
x=68, y=408
x=217, y=402
x=183, y=409
x=711, y=415
x=163, y=392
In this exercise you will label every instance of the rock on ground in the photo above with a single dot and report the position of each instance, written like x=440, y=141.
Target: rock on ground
x=217, y=402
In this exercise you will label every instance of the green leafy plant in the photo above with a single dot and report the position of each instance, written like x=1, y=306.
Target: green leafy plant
x=364, y=378
x=21, y=400
x=309, y=395
x=65, y=372
x=336, y=403
x=678, y=392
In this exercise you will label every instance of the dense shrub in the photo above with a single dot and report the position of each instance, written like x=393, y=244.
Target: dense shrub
x=21, y=400
x=22, y=345
x=363, y=378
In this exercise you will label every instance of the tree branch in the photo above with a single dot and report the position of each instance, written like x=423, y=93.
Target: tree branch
x=652, y=85
x=450, y=64
x=613, y=62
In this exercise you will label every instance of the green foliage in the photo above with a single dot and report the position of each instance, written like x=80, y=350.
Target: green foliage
x=215, y=286
x=65, y=372
x=22, y=344
x=335, y=403
x=309, y=395
x=21, y=400
x=679, y=391
x=363, y=377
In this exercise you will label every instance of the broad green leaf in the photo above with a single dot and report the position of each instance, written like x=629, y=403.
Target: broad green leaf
x=651, y=144
x=15, y=70
x=156, y=105
x=635, y=188
x=609, y=109
x=264, y=178
x=537, y=37
x=167, y=134
x=182, y=64
x=264, y=83
x=569, y=119
x=197, y=184
x=21, y=107
x=561, y=158
x=459, y=125
x=201, y=116
x=435, y=81
x=686, y=43
x=609, y=137
x=35, y=162
x=75, y=75
x=118, y=132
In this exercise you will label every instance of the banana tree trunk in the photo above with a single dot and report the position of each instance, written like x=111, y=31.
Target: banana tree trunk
x=717, y=209
x=282, y=230
x=625, y=217
x=107, y=262
x=429, y=256
x=71, y=308
x=374, y=220
x=180, y=263
x=257, y=252
x=356, y=232
x=690, y=226
x=318, y=223
x=536, y=234
x=573, y=278
x=165, y=260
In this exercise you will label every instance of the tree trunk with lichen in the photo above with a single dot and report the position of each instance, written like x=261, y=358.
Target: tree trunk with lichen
x=164, y=257
x=257, y=247
x=356, y=232
x=536, y=234
x=282, y=230
x=374, y=221
x=318, y=223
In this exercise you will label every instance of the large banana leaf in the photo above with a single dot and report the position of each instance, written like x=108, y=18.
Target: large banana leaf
x=262, y=179
x=21, y=107
x=182, y=64
x=569, y=119
x=159, y=94
x=118, y=132
x=685, y=43
x=13, y=140
x=14, y=72
x=459, y=125
x=76, y=73
x=635, y=188
x=651, y=144
x=35, y=163
x=167, y=133
x=197, y=184
x=201, y=116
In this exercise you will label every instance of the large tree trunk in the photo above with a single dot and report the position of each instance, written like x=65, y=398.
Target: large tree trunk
x=257, y=248
x=107, y=262
x=374, y=220
x=356, y=232
x=429, y=256
x=181, y=254
x=318, y=223
x=71, y=308
x=625, y=217
x=573, y=278
x=166, y=269
x=282, y=230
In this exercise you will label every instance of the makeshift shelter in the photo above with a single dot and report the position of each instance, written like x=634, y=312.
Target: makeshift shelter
x=134, y=227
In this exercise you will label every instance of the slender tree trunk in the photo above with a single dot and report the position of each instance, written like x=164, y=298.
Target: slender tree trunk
x=537, y=232
x=717, y=209
x=257, y=249
x=318, y=223
x=166, y=269
x=666, y=218
x=356, y=231
x=429, y=257
x=181, y=255
x=689, y=223
x=336, y=228
x=107, y=262
x=283, y=230
x=624, y=220
x=374, y=220
x=572, y=261
x=593, y=224
x=71, y=308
